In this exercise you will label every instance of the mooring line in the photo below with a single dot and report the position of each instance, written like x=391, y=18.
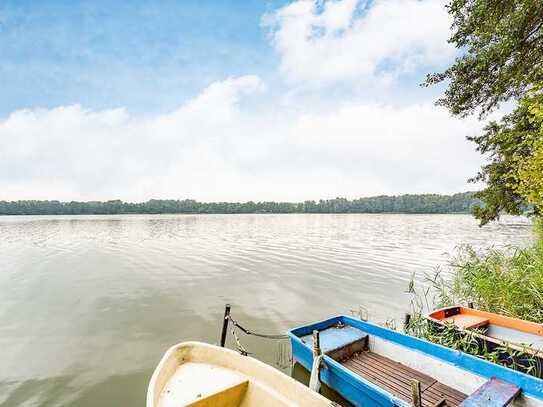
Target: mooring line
x=240, y=347
x=236, y=325
x=248, y=332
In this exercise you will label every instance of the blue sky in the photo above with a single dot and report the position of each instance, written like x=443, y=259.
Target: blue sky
x=226, y=100
x=143, y=55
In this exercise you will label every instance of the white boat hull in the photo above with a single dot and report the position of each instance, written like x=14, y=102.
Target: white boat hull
x=198, y=374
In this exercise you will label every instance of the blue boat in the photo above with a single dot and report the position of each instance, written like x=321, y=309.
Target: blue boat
x=369, y=365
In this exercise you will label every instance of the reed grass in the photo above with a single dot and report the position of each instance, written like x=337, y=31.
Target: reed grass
x=467, y=342
x=507, y=283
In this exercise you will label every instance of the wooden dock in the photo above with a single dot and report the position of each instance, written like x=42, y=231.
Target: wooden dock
x=397, y=379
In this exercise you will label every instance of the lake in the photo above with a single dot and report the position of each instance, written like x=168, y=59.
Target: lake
x=90, y=303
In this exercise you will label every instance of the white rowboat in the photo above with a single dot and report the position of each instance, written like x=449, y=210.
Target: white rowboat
x=202, y=375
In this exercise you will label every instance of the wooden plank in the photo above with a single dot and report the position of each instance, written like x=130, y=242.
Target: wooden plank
x=440, y=388
x=386, y=382
x=346, y=351
x=397, y=389
x=371, y=368
x=394, y=369
x=400, y=375
x=398, y=368
x=467, y=321
x=438, y=392
x=493, y=393
x=396, y=379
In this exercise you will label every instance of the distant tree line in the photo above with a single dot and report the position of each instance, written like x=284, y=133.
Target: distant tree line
x=427, y=203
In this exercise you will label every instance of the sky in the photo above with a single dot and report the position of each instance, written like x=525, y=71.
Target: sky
x=227, y=100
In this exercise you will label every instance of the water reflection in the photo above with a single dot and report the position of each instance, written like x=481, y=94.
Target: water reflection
x=89, y=304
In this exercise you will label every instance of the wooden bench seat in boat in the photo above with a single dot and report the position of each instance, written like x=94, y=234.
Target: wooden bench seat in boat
x=467, y=321
x=494, y=393
x=339, y=342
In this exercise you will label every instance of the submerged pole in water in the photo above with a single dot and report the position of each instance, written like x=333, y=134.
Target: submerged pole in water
x=406, y=321
x=225, y=324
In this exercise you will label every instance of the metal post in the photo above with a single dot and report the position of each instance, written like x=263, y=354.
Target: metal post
x=225, y=324
x=406, y=321
x=417, y=397
x=316, y=344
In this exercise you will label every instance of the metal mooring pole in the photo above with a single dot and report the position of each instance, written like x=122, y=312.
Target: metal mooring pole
x=225, y=324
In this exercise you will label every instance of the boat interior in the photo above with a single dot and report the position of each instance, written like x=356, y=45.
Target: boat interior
x=200, y=375
x=352, y=348
x=368, y=363
x=503, y=328
x=201, y=384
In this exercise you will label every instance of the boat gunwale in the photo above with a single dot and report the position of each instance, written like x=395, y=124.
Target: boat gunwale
x=500, y=342
x=530, y=385
x=361, y=385
x=265, y=368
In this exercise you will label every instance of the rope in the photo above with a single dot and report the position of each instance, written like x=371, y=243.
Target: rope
x=240, y=347
x=248, y=332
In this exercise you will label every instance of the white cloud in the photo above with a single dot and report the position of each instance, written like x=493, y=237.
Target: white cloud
x=213, y=148
x=238, y=141
x=347, y=40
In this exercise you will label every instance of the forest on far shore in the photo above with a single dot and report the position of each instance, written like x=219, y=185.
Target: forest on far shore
x=424, y=203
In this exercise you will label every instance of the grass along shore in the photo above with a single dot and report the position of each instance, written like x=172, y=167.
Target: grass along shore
x=510, y=284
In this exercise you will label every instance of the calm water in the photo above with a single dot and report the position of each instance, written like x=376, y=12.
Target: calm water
x=89, y=304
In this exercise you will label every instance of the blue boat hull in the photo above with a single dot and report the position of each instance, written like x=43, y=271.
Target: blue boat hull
x=361, y=392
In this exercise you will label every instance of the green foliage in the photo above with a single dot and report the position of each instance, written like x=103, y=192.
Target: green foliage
x=458, y=203
x=502, y=44
x=530, y=168
x=530, y=176
x=502, y=58
x=514, y=174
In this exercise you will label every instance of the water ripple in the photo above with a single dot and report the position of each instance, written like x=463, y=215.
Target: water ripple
x=94, y=298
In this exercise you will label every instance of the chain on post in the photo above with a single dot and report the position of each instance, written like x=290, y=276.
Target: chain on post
x=240, y=347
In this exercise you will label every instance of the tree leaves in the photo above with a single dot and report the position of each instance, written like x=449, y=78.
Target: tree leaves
x=502, y=45
x=502, y=58
x=514, y=174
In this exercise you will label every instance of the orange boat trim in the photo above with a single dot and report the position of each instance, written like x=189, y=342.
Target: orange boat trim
x=469, y=318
